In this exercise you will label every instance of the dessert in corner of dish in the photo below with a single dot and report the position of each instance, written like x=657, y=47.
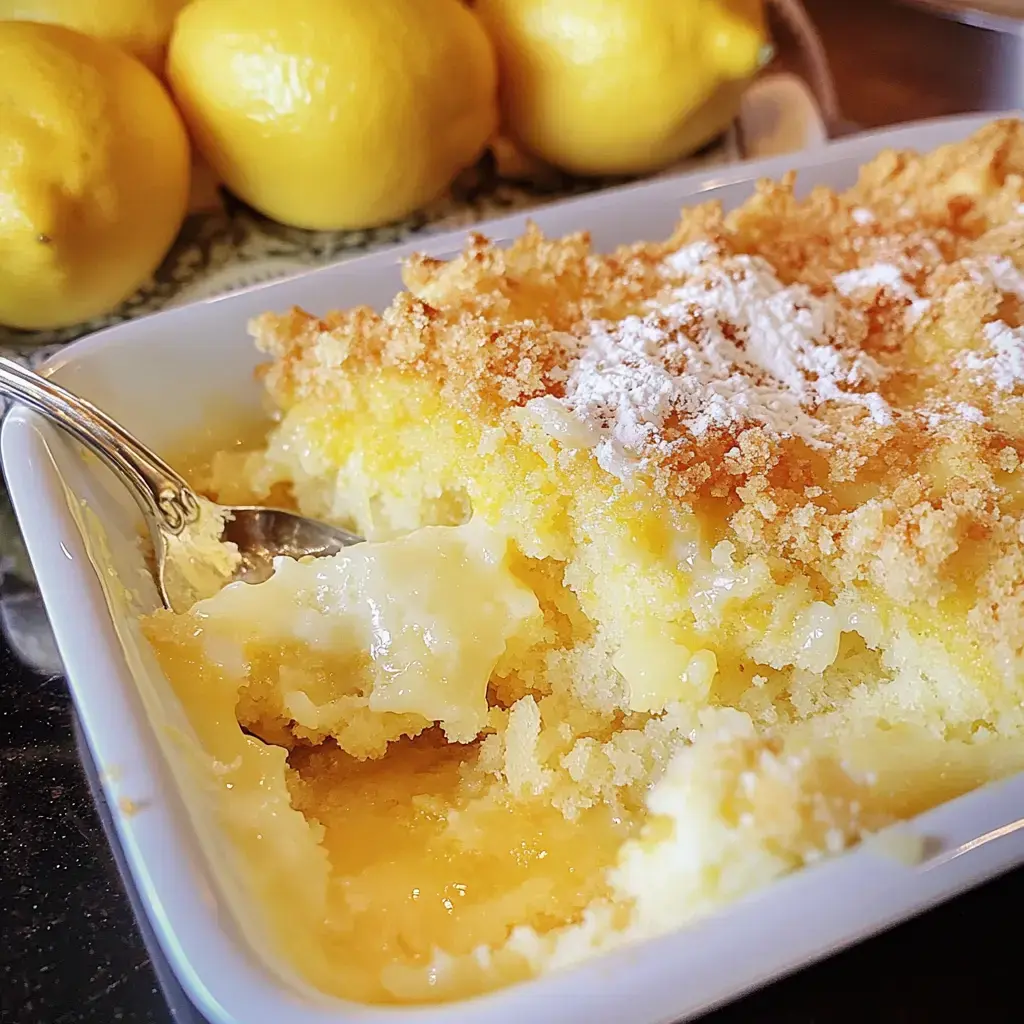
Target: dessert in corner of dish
x=688, y=565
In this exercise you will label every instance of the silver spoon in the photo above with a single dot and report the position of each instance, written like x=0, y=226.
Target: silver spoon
x=169, y=506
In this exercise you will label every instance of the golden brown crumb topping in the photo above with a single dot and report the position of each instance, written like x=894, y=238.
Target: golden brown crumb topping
x=840, y=373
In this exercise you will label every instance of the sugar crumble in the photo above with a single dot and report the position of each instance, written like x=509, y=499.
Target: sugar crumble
x=999, y=272
x=732, y=345
x=1005, y=367
x=883, y=276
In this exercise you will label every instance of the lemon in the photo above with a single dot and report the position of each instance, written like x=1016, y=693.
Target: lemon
x=335, y=113
x=620, y=86
x=142, y=27
x=94, y=175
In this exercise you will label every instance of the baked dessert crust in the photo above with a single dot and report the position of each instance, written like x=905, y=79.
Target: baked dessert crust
x=888, y=499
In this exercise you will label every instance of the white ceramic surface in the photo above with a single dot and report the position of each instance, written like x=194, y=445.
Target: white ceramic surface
x=166, y=376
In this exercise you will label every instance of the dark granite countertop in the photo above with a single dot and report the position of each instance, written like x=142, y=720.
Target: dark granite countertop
x=70, y=950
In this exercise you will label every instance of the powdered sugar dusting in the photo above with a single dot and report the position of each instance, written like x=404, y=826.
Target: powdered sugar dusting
x=962, y=412
x=862, y=215
x=883, y=276
x=1005, y=367
x=999, y=272
x=732, y=346
x=690, y=258
x=970, y=413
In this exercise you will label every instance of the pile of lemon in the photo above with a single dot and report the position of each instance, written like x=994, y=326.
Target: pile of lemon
x=321, y=114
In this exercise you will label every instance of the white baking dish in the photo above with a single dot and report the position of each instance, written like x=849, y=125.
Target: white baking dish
x=169, y=376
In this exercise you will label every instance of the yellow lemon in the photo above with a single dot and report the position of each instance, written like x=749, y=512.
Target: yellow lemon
x=94, y=174
x=335, y=113
x=142, y=27
x=621, y=86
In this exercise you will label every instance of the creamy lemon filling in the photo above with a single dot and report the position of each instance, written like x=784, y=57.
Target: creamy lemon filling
x=504, y=784
x=385, y=639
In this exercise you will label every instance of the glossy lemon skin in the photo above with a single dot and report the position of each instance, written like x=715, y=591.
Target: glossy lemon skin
x=141, y=27
x=335, y=113
x=621, y=86
x=94, y=175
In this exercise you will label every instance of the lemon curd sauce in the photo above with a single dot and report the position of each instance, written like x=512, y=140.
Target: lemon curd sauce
x=688, y=565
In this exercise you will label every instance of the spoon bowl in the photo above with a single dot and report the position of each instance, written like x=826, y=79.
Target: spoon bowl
x=262, y=534
x=177, y=518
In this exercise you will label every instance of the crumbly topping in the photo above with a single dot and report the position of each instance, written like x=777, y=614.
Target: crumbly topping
x=840, y=387
x=961, y=412
x=1004, y=368
x=999, y=272
x=732, y=346
x=883, y=276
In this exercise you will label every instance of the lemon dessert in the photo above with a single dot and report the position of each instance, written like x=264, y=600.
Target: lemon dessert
x=687, y=565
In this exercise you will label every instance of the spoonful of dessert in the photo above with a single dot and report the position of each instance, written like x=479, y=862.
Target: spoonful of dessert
x=199, y=545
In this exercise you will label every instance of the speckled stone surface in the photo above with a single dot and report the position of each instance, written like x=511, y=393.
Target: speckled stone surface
x=69, y=950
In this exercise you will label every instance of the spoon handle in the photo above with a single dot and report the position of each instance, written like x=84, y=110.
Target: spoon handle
x=160, y=491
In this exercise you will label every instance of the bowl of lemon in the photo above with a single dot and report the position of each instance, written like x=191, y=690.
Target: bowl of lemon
x=156, y=151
